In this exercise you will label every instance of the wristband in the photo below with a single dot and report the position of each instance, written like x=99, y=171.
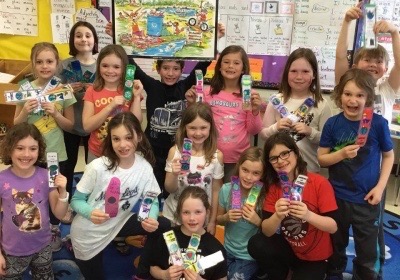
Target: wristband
x=65, y=199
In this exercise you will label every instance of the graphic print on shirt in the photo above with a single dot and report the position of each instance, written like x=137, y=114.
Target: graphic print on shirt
x=47, y=123
x=307, y=119
x=102, y=130
x=167, y=119
x=28, y=214
x=125, y=197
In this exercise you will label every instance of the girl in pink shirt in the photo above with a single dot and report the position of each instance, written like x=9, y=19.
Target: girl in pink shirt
x=235, y=125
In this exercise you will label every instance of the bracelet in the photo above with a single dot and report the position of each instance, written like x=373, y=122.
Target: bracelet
x=65, y=199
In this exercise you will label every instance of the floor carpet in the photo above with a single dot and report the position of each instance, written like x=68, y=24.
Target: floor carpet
x=118, y=267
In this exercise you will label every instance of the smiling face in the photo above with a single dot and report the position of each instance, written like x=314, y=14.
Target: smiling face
x=198, y=131
x=193, y=216
x=124, y=145
x=170, y=72
x=24, y=156
x=232, y=66
x=374, y=66
x=249, y=173
x=300, y=77
x=111, y=71
x=287, y=164
x=45, y=65
x=353, y=101
x=83, y=39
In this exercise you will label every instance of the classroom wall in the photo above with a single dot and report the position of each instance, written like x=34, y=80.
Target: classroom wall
x=19, y=47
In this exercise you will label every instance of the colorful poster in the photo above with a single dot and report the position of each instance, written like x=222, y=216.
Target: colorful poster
x=160, y=30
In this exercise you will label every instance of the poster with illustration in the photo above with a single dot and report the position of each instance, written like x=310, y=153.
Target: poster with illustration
x=165, y=29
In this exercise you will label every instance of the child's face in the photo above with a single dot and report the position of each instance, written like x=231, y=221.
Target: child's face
x=124, y=143
x=300, y=76
x=45, y=64
x=283, y=159
x=353, y=101
x=24, y=155
x=193, y=216
x=231, y=66
x=111, y=70
x=249, y=173
x=170, y=72
x=375, y=66
x=83, y=39
x=198, y=130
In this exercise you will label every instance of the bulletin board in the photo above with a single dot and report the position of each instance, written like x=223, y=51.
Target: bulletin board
x=19, y=46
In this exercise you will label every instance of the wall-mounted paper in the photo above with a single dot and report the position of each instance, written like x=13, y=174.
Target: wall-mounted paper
x=19, y=17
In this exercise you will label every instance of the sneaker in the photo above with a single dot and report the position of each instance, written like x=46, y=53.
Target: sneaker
x=56, y=243
x=67, y=243
x=69, y=216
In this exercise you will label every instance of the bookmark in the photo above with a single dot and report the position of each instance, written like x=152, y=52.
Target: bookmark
x=186, y=155
x=365, y=125
x=88, y=77
x=369, y=13
x=199, y=85
x=254, y=193
x=246, y=92
x=173, y=248
x=77, y=69
x=52, y=167
x=189, y=258
x=302, y=110
x=298, y=186
x=128, y=86
x=210, y=261
x=236, y=195
x=112, y=197
x=285, y=183
x=277, y=104
x=69, y=76
x=146, y=205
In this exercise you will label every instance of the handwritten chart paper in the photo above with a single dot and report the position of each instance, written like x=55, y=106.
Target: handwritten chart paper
x=19, y=17
x=63, y=6
x=61, y=24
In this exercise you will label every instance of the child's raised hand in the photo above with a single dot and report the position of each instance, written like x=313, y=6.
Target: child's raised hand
x=150, y=224
x=282, y=207
x=350, y=151
x=191, y=274
x=283, y=124
x=2, y=265
x=383, y=26
x=250, y=215
x=221, y=30
x=176, y=166
x=50, y=108
x=117, y=101
x=299, y=210
x=30, y=105
x=137, y=88
x=191, y=95
x=109, y=30
x=255, y=101
x=98, y=216
x=353, y=13
x=374, y=196
x=174, y=272
x=78, y=86
x=302, y=128
x=234, y=215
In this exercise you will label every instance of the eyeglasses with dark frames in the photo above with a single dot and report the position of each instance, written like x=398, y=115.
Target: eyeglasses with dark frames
x=282, y=155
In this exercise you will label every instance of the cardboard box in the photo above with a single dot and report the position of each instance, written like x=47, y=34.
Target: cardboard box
x=18, y=68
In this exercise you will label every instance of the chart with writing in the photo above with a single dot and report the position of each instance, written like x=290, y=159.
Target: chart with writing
x=19, y=17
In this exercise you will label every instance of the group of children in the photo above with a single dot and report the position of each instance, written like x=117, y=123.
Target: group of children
x=278, y=236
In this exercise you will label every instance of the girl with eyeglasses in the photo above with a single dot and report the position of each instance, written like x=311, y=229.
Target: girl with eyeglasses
x=295, y=233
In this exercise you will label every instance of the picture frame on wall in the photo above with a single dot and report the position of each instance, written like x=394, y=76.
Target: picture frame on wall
x=154, y=29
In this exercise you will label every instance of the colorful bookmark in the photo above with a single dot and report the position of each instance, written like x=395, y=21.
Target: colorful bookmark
x=254, y=193
x=199, y=85
x=146, y=205
x=189, y=258
x=369, y=12
x=285, y=183
x=186, y=155
x=365, y=125
x=278, y=105
x=297, y=190
x=52, y=167
x=128, y=86
x=246, y=92
x=173, y=247
x=112, y=197
x=236, y=195
x=77, y=69
x=302, y=110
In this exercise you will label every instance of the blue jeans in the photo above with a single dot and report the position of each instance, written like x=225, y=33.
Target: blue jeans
x=239, y=269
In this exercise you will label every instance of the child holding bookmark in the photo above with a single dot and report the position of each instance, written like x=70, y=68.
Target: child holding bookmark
x=295, y=229
x=239, y=210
